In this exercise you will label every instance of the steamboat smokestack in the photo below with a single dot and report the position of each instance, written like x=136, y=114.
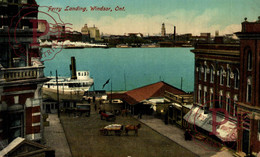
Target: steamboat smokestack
x=73, y=68
x=174, y=34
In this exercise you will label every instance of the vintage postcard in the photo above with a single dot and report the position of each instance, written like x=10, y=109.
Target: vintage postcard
x=129, y=78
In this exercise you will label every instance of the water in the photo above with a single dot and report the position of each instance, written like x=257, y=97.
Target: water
x=128, y=68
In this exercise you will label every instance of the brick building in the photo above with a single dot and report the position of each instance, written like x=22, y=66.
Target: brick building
x=249, y=100
x=21, y=73
x=227, y=83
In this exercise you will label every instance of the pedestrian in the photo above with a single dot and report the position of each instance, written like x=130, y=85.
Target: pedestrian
x=89, y=100
x=95, y=107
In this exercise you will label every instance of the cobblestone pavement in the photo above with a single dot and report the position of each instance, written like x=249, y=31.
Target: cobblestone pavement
x=55, y=137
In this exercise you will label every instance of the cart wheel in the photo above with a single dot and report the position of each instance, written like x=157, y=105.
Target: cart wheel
x=105, y=132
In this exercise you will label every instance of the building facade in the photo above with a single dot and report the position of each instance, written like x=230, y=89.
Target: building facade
x=249, y=100
x=227, y=82
x=21, y=73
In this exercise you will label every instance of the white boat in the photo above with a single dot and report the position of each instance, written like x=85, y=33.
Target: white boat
x=78, y=83
x=81, y=84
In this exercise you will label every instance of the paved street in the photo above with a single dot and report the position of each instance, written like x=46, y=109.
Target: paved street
x=85, y=139
x=154, y=138
x=55, y=137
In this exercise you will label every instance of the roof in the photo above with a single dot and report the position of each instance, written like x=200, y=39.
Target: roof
x=120, y=96
x=18, y=142
x=158, y=89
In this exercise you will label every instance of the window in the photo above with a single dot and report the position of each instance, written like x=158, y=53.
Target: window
x=228, y=77
x=211, y=98
x=199, y=95
x=236, y=79
x=249, y=90
x=221, y=76
x=205, y=73
x=228, y=103
x=249, y=60
x=212, y=74
x=220, y=99
x=200, y=70
x=235, y=106
x=205, y=95
x=15, y=125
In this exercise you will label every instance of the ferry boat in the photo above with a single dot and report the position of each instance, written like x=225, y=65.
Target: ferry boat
x=79, y=82
x=82, y=83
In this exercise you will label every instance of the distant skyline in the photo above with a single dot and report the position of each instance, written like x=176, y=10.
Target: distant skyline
x=189, y=16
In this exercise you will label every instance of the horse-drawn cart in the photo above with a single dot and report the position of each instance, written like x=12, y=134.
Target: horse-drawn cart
x=117, y=128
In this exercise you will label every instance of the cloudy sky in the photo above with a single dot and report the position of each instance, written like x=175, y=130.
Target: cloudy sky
x=146, y=16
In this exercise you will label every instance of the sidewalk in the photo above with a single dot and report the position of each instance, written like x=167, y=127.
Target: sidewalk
x=55, y=137
x=177, y=135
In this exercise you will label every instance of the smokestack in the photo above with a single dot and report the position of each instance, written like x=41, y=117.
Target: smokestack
x=174, y=33
x=73, y=68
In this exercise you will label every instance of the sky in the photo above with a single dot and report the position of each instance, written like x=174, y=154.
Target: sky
x=147, y=16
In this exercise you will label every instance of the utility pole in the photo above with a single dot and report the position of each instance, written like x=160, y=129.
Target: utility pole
x=58, y=103
x=181, y=83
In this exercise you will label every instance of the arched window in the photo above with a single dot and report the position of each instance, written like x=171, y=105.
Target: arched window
x=199, y=94
x=235, y=105
x=221, y=76
x=228, y=77
x=205, y=73
x=236, y=79
x=249, y=60
x=249, y=90
x=212, y=74
x=220, y=99
x=211, y=98
x=200, y=71
x=228, y=102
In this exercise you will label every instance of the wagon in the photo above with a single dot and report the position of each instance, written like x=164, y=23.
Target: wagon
x=116, y=128
x=108, y=116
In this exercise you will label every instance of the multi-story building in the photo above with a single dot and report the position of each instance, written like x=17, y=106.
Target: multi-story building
x=217, y=76
x=227, y=82
x=21, y=73
x=249, y=92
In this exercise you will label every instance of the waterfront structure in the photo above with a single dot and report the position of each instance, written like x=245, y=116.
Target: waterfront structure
x=163, y=30
x=227, y=85
x=21, y=74
x=249, y=92
x=146, y=99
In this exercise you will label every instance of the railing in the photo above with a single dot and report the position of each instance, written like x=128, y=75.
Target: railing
x=179, y=98
x=21, y=73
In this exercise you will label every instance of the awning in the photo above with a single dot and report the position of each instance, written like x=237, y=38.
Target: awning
x=226, y=131
x=196, y=116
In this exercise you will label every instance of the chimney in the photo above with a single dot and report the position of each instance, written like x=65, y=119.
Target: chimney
x=73, y=68
x=174, y=34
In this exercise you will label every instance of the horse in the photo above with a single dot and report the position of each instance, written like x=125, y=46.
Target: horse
x=132, y=128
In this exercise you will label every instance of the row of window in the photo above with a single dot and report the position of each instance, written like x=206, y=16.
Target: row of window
x=219, y=102
x=222, y=74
